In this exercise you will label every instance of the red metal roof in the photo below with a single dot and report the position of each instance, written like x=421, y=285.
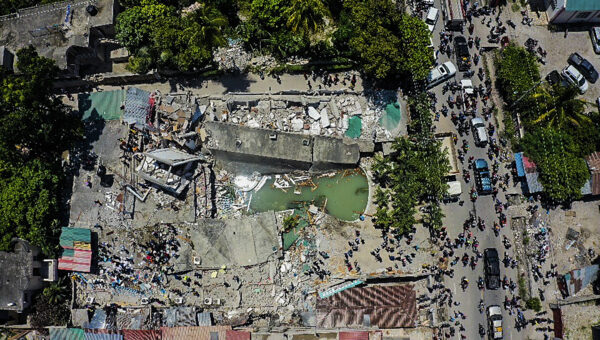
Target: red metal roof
x=381, y=306
x=131, y=334
x=593, y=161
x=529, y=165
x=237, y=335
x=354, y=335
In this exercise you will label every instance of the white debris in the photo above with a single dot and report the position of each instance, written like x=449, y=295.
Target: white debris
x=313, y=113
x=324, y=118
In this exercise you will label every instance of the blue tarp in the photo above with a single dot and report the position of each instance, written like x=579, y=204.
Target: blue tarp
x=519, y=163
x=66, y=334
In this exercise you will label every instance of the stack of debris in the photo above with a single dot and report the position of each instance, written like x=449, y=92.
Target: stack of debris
x=232, y=58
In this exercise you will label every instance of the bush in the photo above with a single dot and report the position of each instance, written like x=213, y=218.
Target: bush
x=534, y=303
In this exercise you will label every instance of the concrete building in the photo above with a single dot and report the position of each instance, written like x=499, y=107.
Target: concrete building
x=23, y=273
x=269, y=151
x=74, y=34
x=564, y=12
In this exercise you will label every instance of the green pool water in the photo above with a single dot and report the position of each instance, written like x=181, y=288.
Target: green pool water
x=346, y=194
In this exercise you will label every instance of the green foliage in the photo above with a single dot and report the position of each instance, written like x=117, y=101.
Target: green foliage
x=35, y=128
x=385, y=42
x=290, y=222
x=522, y=287
x=28, y=204
x=534, y=303
x=33, y=123
x=158, y=36
x=306, y=16
x=562, y=170
x=557, y=107
x=11, y=6
x=526, y=241
x=516, y=71
x=57, y=292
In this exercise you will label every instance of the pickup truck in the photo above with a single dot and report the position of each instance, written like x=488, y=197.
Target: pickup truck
x=482, y=177
x=463, y=57
x=494, y=314
x=491, y=268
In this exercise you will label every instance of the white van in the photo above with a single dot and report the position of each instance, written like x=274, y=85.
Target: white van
x=432, y=17
x=479, y=132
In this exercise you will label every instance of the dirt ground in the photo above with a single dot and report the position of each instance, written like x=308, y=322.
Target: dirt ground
x=578, y=320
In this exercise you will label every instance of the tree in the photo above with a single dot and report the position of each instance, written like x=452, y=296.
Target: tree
x=33, y=122
x=56, y=292
x=306, y=16
x=516, y=72
x=534, y=303
x=558, y=107
x=158, y=36
x=386, y=42
x=29, y=204
x=45, y=313
x=562, y=170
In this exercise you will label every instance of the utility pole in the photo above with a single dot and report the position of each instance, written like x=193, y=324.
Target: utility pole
x=526, y=92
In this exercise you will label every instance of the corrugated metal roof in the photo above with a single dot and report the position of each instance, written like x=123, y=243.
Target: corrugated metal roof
x=195, y=333
x=533, y=184
x=382, y=306
x=67, y=334
x=593, y=162
x=519, y=164
x=204, y=319
x=100, y=336
x=136, y=334
x=583, y=5
x=133, y=334
x=137, y=106
x=237, y=335
x=354, y=335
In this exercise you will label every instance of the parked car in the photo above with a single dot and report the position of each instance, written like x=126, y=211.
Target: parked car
x=441, y=73
x=554, y=78
x=595, y=35
x=584, y=67
x=479, y=132
x=483, y=180
x=432, y=17
x=494, y=314
x=463, y=57
x=574, y=77
x=491, y=268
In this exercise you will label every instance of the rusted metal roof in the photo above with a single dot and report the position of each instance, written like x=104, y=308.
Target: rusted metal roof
x=558, y=324
x=354, y=335
x=593, y=162
x=237, y=335
x=136, y=334
x=381, y=306
x=195, y=333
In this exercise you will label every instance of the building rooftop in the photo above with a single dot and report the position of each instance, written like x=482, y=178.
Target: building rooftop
x=16, y=274
x=583, y=5
x=55, y=29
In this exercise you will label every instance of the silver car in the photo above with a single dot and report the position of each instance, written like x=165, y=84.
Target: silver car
x=573, y=76
x=595, y=36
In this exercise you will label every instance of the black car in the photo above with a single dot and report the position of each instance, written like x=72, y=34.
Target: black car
x=491, y=268
x=584, y=66
x=463, y=57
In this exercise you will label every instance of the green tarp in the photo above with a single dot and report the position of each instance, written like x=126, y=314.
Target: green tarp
x=290, y=238
x=391, y=117
x=354, y=127
x=105, y=105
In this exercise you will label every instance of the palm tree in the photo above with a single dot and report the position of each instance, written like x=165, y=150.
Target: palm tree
x=56, y=292
x=211, y=23
x=560, y=107
x=306, y=16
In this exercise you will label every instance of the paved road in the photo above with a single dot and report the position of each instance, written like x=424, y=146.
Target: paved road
x=483, y=207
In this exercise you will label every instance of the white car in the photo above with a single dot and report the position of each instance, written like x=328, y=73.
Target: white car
x=479, y=132
x=467, y=86
x=441, y=73
x=573, y=76
x=494, y=314
x=432, y=17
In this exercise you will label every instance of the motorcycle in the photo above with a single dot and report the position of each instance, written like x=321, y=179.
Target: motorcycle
x=511, y=24
x=480, y=284
x=464, y=283
x=481, y=331
x=496, y=229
